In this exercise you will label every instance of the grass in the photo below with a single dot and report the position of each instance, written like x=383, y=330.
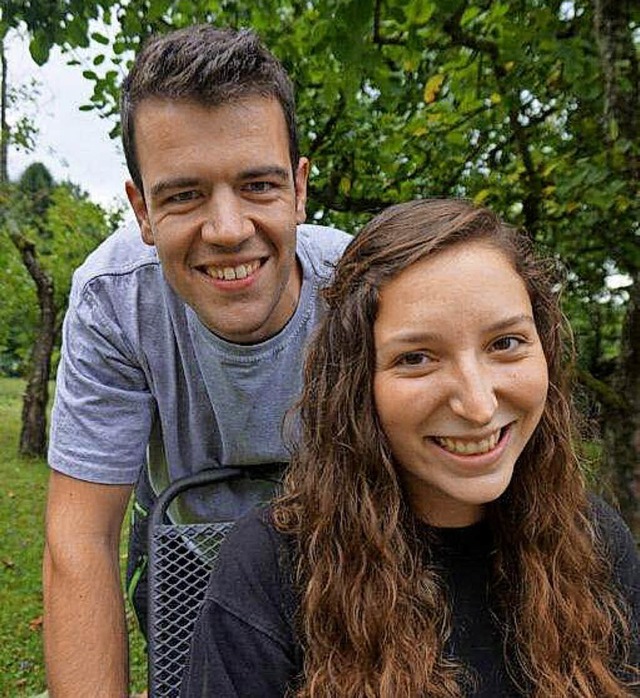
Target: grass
x=22, y=503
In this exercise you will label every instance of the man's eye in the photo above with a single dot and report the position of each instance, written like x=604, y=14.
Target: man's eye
x=507, y=343
x=259, y=187
x=183, y=196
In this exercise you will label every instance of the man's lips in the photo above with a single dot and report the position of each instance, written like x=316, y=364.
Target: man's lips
x=229, y=272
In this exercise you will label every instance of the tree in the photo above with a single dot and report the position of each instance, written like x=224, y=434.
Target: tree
x=33, y=431
x=3, y=115
x=52, y=228
x=527, y=105
x=621, y=71
x=26, y=210
x=504, y=101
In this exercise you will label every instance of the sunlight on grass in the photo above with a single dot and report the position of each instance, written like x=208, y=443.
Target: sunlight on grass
x=22, y=504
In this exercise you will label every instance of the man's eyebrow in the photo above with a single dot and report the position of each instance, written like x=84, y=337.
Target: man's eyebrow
x=251, y=173
x=173, y=183
x=265, y=171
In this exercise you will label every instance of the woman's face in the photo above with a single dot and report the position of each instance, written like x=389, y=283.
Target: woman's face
x=460, y=380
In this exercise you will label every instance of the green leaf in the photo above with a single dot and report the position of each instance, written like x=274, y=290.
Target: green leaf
x=419, y=11
x=100, y=38
x=39, y=48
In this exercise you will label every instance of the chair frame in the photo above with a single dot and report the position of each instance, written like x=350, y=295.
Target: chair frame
x=171, y=618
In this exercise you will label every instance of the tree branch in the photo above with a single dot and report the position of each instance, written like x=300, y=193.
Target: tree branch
x=533, y=198
x=606, y=394
x=378, y=39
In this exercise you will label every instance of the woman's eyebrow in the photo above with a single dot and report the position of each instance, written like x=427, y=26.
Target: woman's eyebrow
x=510, y=322
x=412, y=336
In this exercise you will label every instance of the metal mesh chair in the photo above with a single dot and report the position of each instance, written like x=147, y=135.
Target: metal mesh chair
x=180, y=559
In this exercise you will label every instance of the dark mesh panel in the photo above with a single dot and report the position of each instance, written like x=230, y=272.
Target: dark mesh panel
x=179, y=565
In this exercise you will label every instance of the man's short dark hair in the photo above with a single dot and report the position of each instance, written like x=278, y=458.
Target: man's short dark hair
x=209, y=66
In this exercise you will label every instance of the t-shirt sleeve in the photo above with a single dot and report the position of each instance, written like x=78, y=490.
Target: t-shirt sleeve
x=103, y=408
x=243, y=643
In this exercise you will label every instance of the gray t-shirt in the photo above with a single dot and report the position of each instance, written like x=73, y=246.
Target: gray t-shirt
x=138, y=366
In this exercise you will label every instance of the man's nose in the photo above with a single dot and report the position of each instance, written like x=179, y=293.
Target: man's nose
x=227, y=224
x=473, y=395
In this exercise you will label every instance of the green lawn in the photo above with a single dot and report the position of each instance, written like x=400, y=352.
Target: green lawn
x=22, y=500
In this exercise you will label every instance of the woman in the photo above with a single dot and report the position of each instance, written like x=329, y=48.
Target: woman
x=434, y=537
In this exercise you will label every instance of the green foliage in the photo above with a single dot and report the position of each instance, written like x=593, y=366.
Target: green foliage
x=53, y=22
x=18, y=311
x=499, y=101
x=64, y=226
x=36, y=183
x=22, y=503
x=20, y=104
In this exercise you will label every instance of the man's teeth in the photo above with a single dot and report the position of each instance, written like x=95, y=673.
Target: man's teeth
x=231, y=273
x=467, y=447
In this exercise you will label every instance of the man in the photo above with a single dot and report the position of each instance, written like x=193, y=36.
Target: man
x=190, y=338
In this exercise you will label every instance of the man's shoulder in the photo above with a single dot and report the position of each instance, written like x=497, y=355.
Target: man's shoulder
x=321, y=245
x=122, y=253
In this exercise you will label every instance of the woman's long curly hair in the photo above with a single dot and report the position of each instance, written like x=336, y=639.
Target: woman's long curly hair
x=374, y=618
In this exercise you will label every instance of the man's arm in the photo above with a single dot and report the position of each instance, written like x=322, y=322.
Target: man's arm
x=85, y=640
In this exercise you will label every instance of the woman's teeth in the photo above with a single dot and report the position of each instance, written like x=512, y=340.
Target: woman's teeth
x=466, y=447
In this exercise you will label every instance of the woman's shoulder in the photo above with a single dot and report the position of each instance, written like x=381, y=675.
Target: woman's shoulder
x=610, y=527
x=254, y=565
x=618, y=545
x=253, y=532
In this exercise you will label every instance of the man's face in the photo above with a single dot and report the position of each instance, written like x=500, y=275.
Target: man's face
x=221, y=204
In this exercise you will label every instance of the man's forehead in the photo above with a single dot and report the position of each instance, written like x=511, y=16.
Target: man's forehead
x=178, y=105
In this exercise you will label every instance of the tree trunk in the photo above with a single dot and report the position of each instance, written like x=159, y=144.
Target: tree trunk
x=4, y=129
x=621, y=426
x=33, y=434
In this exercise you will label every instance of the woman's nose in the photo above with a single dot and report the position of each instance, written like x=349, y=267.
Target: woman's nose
x=473, y=396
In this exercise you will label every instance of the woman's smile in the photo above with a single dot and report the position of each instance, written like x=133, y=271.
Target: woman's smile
x=468, y=446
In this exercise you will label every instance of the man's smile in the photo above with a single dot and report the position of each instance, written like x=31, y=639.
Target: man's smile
x=231, y=273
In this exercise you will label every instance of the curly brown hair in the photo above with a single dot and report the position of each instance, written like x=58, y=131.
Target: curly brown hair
x=374, y=617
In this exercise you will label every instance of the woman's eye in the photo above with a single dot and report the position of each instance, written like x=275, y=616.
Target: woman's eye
x=507, y=343
x=414, y=358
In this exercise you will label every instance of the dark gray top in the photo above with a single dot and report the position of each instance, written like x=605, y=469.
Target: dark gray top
x=244, y=643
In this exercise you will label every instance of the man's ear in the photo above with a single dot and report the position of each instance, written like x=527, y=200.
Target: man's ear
x=301, y=178
x=139, y=206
